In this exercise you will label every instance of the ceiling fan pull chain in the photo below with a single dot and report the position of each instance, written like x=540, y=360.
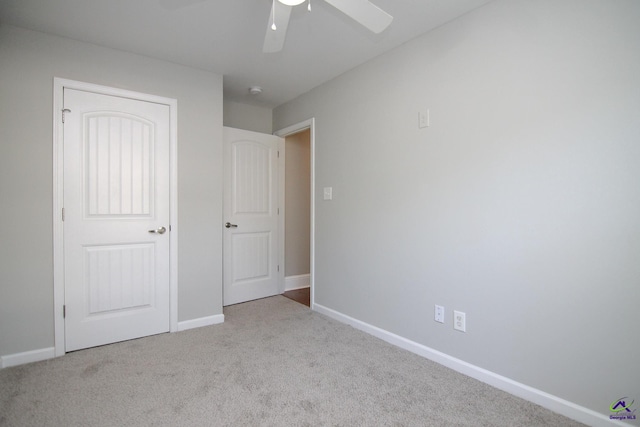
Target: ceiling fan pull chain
x=273, y=16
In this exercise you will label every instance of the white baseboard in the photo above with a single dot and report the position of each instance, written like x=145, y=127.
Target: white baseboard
x=200, y=322
x=50, y=353
x=27, y=357
x=301, y=281
x=546, y=400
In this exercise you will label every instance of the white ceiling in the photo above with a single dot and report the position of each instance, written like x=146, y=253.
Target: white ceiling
x=226, y=36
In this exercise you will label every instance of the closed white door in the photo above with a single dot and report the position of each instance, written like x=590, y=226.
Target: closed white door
x=251, y=234
x=116, y=219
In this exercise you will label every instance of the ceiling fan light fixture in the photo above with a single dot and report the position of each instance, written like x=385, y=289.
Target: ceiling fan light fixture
x=363, y=12
x=291, y=2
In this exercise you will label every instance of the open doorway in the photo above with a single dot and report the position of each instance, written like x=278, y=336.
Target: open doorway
x=298, y=207
x=297, y=188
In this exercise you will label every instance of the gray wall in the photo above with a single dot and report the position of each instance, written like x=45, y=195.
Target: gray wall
x=297, y=203
x=248, y=117
x=28, y=63
x=520, y=205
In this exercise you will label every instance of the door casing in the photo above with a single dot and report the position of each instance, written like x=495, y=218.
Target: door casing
x=58, y=194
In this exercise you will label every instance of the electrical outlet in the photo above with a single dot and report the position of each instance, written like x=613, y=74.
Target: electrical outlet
x=439, y=313
x=459, y=321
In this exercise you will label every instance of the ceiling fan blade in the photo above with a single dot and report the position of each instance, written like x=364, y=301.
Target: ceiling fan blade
x=274, y=39
x=364, y=12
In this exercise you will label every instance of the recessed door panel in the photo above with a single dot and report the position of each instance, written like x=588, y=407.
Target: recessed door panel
x=118, y=165
x=252, y=178
x=251, y=256
x=119, y=278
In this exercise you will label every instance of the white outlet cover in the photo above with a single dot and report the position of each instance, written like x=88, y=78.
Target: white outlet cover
x=459, y=321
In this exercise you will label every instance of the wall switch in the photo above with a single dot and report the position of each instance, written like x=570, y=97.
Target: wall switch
x=328, y=193
x=459, y=321
x=439, y=314
x=423, y=119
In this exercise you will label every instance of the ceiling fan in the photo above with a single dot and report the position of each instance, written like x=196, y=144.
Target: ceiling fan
x=362, y=11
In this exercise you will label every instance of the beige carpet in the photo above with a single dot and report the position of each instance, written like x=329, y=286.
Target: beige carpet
x=272, y=363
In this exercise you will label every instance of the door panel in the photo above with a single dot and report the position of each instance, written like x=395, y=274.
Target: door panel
x=119, y=277
x=251, y=253
x=118, y=165
x=251, y=204
x=251, y=178
x=116, y=189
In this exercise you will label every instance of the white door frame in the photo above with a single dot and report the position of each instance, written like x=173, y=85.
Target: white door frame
x=283, y=133
x=58, y=197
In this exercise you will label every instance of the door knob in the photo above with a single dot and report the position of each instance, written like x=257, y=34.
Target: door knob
x=229, y=225
x=160, y=230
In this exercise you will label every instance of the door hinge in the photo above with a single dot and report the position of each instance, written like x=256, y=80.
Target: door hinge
x=62, y=214
x=278, y=154
x=66, y=110
x=64, y=311
x=278, y=268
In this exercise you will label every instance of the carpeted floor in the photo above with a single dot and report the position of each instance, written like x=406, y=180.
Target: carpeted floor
x=273, y=362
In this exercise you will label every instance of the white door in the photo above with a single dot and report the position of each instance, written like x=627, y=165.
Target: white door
x=251, y=239
x=116, y=219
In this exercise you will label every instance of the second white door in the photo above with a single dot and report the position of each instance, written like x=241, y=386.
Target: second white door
x=251, y=234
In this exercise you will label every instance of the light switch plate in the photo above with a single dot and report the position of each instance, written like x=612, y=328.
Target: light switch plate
x=439, y=314
x=328, y=193
x=423, y=119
